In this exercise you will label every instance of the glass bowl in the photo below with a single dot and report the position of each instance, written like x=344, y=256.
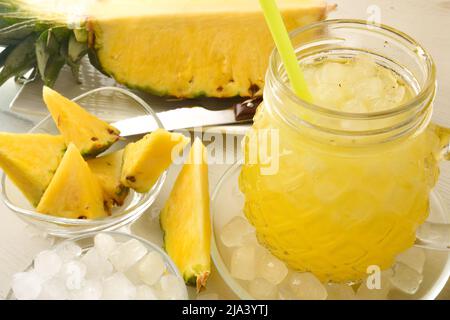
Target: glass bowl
x=110, y=104
x=86, y=242
x=227, y=202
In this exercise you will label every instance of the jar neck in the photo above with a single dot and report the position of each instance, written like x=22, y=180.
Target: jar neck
x=347, y=129
x=345, y=39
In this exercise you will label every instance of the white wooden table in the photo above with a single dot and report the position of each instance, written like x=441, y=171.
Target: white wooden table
x=427, y=21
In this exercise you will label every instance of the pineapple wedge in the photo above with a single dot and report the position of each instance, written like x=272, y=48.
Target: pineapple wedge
x=145, y=160
x=108, y=170
x=185, y=219
x=91, y=135
x=74, y=191
x=30, y=161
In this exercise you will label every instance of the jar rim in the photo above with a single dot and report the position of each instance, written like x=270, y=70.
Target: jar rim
x=426, y=90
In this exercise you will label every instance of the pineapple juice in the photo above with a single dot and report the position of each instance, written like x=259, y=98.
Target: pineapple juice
x=342, y=199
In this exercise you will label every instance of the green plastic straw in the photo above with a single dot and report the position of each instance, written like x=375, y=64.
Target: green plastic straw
x=285, y=48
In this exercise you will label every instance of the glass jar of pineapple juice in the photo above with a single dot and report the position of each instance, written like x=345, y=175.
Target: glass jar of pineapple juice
x=353, y=170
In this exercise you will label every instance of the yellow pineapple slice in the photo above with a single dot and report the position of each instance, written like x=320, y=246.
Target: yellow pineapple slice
x=74, y=191
x=185, y=219
x=90, y=134
x=30, y=161
x=145, y=160
x=108, y=169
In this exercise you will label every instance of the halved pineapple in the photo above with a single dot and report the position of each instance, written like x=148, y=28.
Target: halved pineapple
x=185, y=219
x=91, y=135
x=145, y=160
x=108, y=169
x=74, y=191
x=184, y=48
x=30, y=161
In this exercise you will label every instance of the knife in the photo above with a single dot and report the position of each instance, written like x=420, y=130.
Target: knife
x=186, y=118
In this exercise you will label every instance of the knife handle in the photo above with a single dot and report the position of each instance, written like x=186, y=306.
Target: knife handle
x=245, y=111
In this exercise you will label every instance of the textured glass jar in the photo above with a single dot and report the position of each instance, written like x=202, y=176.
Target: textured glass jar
x=333, y=192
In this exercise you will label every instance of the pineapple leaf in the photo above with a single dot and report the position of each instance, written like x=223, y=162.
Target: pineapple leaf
x=73, y=52
x=4, y=54
x=81, y=34
x=7, y=6
x=42, y=54
x=76, y=50
x=50, y=48
x=21, y=59
x=15, y=33
x=52, y=71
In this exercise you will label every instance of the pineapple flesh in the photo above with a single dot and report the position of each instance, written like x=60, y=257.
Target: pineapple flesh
x=182, y=48
x=209, y=48
x=74, y=191
x=108, y=171
x=91, y=135
x=30, y=161
x=145, y=160
x=185, y=219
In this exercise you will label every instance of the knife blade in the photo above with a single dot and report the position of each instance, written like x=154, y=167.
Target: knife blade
x=186, y=118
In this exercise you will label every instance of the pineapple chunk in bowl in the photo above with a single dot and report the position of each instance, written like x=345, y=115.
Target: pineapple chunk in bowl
x=110, y=104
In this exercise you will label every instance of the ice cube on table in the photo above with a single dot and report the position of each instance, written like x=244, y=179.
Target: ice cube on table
x=26, y=285
x=68, y=250
x=144, y=292
x=54, y=289
x=118, y=287
x=340, y=292
x=306, y=286
x=127, y=254
x=47, y=264
x=97, y=266
x=151, y=268
x=171, y=288
x=73, y=273
x=105, y=244
x=406, y=279
x=207, y=296
x=90, y=290
x=414, y=258
x=261, y=289
x=233, y=232
x=368, y=291
x=271, y=269
x=243, y=263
